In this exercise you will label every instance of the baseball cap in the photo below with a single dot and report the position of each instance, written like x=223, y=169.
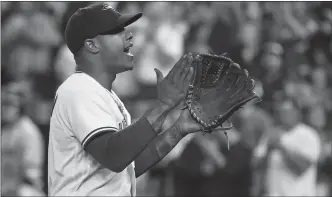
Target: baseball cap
x=93, y=20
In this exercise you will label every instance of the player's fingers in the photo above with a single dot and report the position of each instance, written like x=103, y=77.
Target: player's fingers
x=159, y=75
x=190, y=73
x=188, y=77
x=178, y=73
x=236, y=65
x=176, y=67
x=186, y=67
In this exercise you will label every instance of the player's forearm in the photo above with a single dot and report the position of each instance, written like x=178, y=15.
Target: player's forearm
x=157, y=116
x=158, y=149
x=116, y=150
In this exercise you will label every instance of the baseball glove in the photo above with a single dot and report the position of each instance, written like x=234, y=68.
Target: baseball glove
x=219, y=88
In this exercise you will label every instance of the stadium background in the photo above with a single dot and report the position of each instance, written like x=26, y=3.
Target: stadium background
x=285, y=45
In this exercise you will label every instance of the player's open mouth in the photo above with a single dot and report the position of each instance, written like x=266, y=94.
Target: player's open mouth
x=127, y=51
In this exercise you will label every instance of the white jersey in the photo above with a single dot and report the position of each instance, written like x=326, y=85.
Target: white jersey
x=280, y=180
x=83, y=109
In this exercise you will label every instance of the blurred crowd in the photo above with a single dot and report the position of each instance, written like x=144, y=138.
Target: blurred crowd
x=281, y=146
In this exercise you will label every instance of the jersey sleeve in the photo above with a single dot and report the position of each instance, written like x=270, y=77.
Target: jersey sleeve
x=89, y=115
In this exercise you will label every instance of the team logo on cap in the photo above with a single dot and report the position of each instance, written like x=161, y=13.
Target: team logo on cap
x=107, y=7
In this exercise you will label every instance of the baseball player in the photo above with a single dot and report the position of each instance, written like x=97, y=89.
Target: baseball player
x=94, y=150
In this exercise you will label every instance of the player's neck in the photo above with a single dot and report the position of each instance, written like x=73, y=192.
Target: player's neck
x=106, y=79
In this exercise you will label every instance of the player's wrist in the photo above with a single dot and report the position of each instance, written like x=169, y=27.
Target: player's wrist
x=157, y=116
x=177, y=130
x=167, y=103
x=182, y=128
x=163, y=105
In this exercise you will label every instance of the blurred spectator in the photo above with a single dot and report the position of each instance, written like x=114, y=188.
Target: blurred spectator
x=321, y=37
x=163, y=43
x=225, y=26
x=289, y=154
x=270, y=71
x=22, y=146
x=252, y=121
x=246, y=47
x=32, y=25
x=65, y=64
x=199, y=29
x=193, y=171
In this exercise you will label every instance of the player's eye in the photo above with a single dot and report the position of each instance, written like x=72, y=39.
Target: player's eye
x=128, y=36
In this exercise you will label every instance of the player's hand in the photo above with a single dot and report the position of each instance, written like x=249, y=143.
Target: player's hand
x=173, y=87
x=187, y=124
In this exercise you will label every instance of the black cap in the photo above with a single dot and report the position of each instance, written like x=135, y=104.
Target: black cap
x=93, y=20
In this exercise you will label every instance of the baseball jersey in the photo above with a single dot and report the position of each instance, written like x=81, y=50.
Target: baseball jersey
x=82, y=109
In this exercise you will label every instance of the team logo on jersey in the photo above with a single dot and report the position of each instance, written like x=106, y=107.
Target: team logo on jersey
x=123, y=124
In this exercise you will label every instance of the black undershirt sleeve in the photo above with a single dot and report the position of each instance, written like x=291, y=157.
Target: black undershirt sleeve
x=147, y=159
x=116, y=150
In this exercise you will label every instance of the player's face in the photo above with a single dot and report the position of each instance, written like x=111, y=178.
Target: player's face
x=115, y=51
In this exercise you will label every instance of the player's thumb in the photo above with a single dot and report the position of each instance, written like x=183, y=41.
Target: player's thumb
x=159, y=75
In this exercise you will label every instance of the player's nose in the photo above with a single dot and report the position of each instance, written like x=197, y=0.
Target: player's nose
x=128, y=44
x=128, y=36
x=128, y=40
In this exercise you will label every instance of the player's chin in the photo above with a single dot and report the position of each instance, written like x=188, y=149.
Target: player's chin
x=128, y=63
x=128, y=67
x=125, y=66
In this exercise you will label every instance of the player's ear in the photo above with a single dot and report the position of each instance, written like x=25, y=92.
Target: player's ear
x=91, y=45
